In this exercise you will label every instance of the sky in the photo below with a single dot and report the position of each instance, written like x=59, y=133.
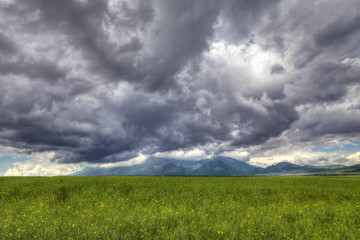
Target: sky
x=109, y=83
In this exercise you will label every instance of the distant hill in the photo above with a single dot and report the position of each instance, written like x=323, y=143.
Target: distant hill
x=350, y=170
x=285, y=168
x=217, y=166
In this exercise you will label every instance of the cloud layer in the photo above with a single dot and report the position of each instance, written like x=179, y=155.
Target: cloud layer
x=102, y=81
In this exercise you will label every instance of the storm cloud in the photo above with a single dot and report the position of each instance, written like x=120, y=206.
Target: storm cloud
x=103, y=81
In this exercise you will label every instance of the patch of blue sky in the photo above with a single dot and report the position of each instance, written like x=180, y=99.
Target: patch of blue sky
x=352, y=147
x=251, y=40
x=7, y=160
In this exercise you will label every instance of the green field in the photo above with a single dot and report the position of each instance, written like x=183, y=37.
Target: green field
x=180, y=208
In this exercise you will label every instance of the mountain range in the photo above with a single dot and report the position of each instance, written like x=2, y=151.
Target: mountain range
x=217, y=166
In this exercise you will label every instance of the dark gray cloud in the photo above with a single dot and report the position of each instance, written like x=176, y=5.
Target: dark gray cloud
x=326, y=82
x=6, y=45
x=240, y=18
x=338, y=31
x=277, y=69
x=101, y=81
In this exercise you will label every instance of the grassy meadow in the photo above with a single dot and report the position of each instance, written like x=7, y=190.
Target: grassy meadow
x=179, y=208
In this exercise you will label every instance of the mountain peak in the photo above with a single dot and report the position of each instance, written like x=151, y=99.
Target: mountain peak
x=281, y=164
x=221, y=158
x=153, y=166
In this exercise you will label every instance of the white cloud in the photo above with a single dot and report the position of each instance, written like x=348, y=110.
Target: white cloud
x=134, y=161
x=354, y=158
x=41, y=165
x=243, y=156
x=195, y=153
x=42, y=168
x=240, y=65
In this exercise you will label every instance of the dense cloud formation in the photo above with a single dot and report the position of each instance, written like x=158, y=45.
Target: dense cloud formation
x=102, y=81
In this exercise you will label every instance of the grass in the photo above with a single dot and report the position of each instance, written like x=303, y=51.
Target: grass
x=179, y=208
